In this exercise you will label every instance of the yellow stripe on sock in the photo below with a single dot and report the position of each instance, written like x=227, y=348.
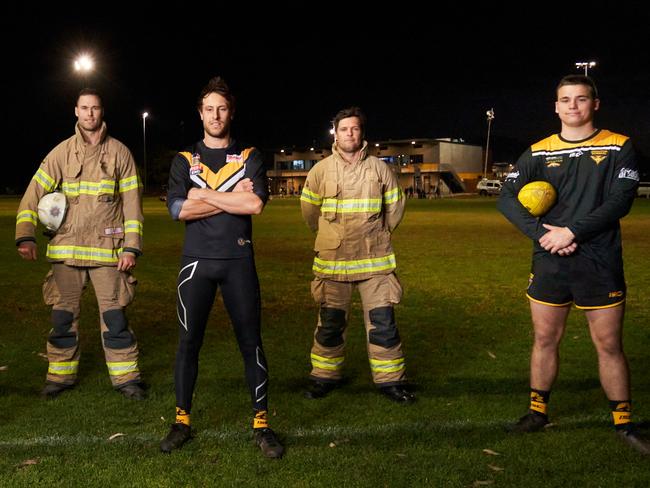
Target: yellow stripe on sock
x=260, y=421
x=182, y=417
x=621, y=418
x=537, y=403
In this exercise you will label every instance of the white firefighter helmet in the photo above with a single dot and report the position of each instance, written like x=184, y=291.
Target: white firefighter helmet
x=51, y=210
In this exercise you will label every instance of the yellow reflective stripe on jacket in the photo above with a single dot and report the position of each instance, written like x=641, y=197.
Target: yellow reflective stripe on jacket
x=83, y=253
x=391, y=196
x=134, y=226
x=310, y=197
x=351, y=205
x=45, y=180
x=331, y=364
x=26, y=216
x=130, y=183
x=354, y=266
x=386, y=366
x=70, y=367
x=74, y=189
x=121, y=368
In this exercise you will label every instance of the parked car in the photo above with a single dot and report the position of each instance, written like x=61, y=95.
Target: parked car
x=644, y=189
x=489, y=187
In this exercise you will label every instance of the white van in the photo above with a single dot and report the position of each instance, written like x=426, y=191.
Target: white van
x=488, y=187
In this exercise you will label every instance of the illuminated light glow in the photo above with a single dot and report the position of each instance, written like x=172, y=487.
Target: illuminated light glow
x=84, y=63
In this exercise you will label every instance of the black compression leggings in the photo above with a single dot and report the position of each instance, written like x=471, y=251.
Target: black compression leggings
x=198, y=281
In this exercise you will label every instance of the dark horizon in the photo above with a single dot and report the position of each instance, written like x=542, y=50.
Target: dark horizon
x=411, y=84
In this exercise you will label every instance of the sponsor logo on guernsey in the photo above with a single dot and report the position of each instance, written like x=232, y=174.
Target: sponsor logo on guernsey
x=598, y=155
x=195, y=170
x=576, y=154
x=553, y=161
x=630, y=174
x=234, y=158
x=512, y=176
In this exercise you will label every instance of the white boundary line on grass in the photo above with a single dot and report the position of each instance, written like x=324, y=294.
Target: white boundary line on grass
x=333, y=432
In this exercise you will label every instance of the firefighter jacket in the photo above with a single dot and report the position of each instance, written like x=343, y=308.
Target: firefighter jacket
x=354, y=208
x=103, y=193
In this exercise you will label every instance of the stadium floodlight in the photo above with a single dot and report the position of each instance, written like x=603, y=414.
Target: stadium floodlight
x=586, y=65
x=84, y=64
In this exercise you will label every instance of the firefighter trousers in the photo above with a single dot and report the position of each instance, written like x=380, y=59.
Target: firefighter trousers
x=378, y=295
x=63, y=288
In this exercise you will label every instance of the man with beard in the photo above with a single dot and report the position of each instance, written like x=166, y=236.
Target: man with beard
x=98, y=239
x=214, y=187
x=354, y=203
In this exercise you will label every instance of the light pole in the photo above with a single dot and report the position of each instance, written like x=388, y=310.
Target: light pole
x=490, y=118
x=144, y=147
x=586, y=65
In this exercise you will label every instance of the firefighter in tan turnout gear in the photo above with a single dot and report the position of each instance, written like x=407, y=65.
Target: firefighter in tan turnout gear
x=353, y=202
x=98, y=239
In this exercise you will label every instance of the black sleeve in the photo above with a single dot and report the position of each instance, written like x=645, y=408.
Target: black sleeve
x=618, y=200
x=179, y=185
x=256, y=171
x=525, y=172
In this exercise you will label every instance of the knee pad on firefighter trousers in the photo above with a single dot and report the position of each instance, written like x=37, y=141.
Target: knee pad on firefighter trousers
x=61, y=336
x=385, y=333
x=332, y=324
x=118, y=335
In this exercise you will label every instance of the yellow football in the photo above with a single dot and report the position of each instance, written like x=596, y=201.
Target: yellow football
x=538, y=197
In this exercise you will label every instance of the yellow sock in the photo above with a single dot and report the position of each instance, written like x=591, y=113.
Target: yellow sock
x=182, y=417
x=260, y=421
x=539, y=401
x=621, y=414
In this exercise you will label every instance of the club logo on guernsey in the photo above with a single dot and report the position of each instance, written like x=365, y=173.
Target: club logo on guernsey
x=553, y=161
x=598, y=155
x=234, y=158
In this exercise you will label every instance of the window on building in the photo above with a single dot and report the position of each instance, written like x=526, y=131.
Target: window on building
x=417, y=158
x=298, y=164
x=283, y=165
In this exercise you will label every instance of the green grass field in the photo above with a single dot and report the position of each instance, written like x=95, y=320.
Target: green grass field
x=466, y=330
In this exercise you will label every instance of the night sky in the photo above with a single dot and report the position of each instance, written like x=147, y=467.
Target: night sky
x=415, y=76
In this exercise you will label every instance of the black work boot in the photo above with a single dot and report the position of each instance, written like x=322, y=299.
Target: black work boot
x=398, y=394
x=133, y=391
x=319, y=389
x=53, y=390
x=178, y=435
x=268, y=442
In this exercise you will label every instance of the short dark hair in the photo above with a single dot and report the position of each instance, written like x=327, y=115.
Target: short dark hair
x=579, y=80
x=89, y=91
x=350, y=112
x=217, y=85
